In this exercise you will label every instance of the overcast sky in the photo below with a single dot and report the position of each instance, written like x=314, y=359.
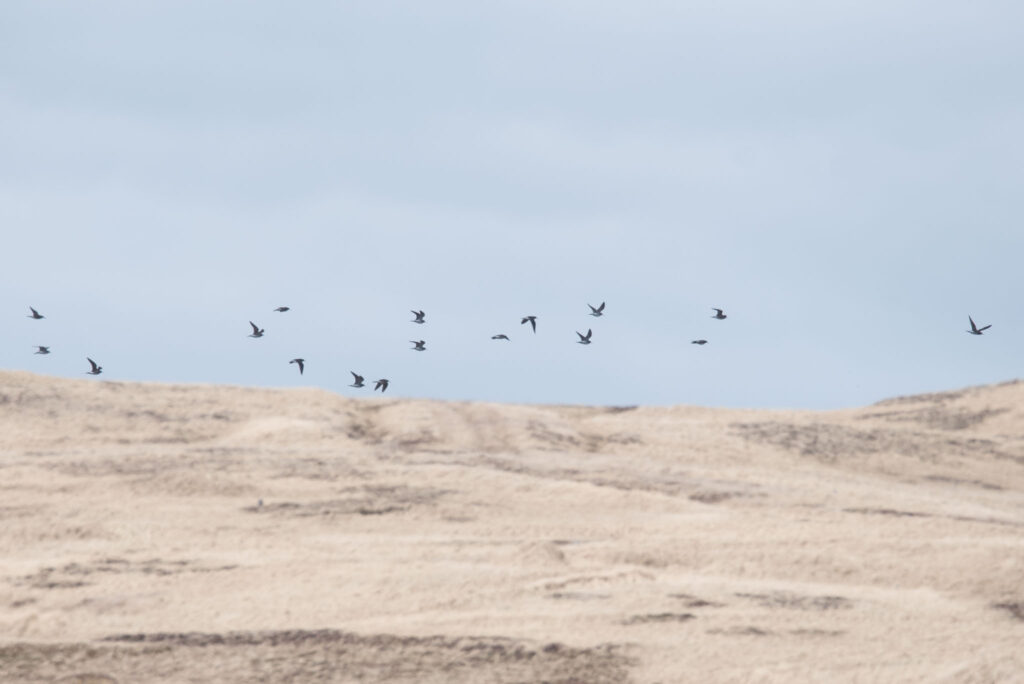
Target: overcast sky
x=843, y=178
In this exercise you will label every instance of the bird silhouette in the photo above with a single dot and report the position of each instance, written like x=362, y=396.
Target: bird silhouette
x=381, y=385
x=584, y=339
x=499, y=337
x=702, y=342
x=35, y=314
x=420, y=345
x=975, y=330
x=256, y=330
x=719, y=315
x=96, y=369
x=42, y=350
x=532, y=320
x=419, y=317
x=282, y=309
x=599, y=311
x=358, y=379
x=301, y=363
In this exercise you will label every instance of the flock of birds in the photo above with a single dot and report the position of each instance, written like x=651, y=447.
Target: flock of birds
x=421, y=345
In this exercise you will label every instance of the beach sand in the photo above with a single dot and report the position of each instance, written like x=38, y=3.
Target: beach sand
x=196, y=533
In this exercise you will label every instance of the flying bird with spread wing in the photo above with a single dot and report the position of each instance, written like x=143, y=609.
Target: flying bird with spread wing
x=532, y=320
x=256, y=330
x=301, y=363
x=975, y=330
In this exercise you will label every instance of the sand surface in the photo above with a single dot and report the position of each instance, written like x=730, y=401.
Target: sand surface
x=173, y=533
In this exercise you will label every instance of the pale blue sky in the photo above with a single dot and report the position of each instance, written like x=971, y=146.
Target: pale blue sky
x=843, y=178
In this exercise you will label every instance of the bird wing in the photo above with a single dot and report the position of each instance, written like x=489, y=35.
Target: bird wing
x=91, y=363
x=973, y=327
x=255, y=328
x=358, y=378
x=601, y=308
x=985, y=328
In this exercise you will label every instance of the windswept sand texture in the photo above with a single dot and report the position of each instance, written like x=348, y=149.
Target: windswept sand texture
x=421, y=541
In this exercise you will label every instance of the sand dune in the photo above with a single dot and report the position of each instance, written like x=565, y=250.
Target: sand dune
x=423, y=541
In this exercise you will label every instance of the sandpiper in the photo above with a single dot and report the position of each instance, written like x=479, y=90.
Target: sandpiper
x=256, y=330
x=599, y=311
x=282, y=309
x=420, y=345
x=35, y=314
x=699, y=342
x=532, y=320
x=719, y=315
x=96, y=370
x=500, y=337
x=42, y=350
x=584, y=339
x=358, y=379
x=975, y=330
x=419, y=317
x=381, y=385
x=301, y=363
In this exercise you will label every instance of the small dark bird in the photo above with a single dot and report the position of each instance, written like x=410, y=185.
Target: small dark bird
x=256, y=330
x=302, y=364
x=381, y=385
x=532, y=320
x=35, y=314
x=419, y=317
x=358, y=379
x=96, y=370
x=584, y=339
x=975, y=330
x=599, y=311
x=720, y=316
x=282, y=309
x=699, y=342
x=499, y=337
x=42, y=350
x=420, y=345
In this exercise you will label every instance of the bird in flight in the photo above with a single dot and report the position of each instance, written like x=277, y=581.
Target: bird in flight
x=96, y=370
x=599, y=311
x=975, y=330
x=302, y=364
x=381, y=385
x=502, y=336
x=282, y=309
x=35, y=314
x=532, y=320
x=584, y=339
x=358, y=379
x=420, y=316
x=42, y=349
x=719, y=315
x=256, y=330
x=420, y=345
x=701, y=342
